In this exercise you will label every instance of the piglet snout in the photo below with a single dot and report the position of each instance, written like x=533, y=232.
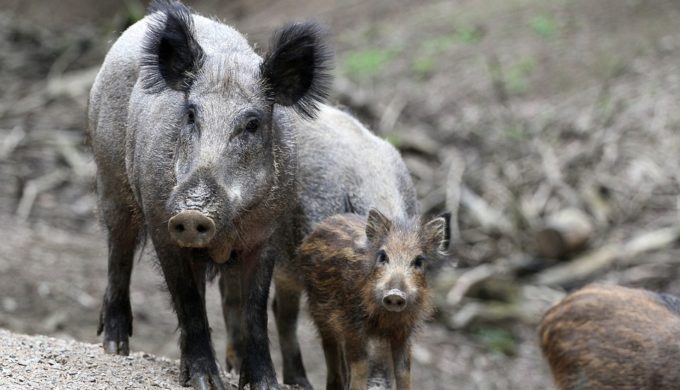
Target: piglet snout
x=394, y=300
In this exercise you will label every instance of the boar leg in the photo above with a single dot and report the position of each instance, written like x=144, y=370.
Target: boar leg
x=115, y=318
x=286, y=307
x=401, y=359
x=335, y=379
x=256, y=367
x=185, y=278
x=230, y=289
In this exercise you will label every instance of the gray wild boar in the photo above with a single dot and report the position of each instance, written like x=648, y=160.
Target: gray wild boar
x=194, y=136
x=336, y=156
x=365, y=279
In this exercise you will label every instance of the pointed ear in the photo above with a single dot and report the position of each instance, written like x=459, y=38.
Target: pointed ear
x=171, y=53
x=377, y=226
x=296, y=69
x=435, y=238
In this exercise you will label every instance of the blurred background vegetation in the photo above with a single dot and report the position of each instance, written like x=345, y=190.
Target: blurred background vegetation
x=554, y=127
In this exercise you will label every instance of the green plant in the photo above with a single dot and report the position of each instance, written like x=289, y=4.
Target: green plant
x=423, y=66
x=544, y=25
x=497, y=339
x=134, y=10
x=517, y=76
x=516, y=133
x=469, y=35
x=394, y=139
x=364, y=64
x=437, y=44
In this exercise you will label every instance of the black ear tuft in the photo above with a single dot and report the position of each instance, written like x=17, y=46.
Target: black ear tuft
x=348, y=205
x=296, y=71
x=171, y=55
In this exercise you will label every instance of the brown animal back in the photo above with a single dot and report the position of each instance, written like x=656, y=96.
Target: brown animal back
x=340, y=236
x=332, y=258
x=610, y=337
x=332, y=262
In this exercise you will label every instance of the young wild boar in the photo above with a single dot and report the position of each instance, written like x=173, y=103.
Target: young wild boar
x=194, y=136
x=613, y=338
x=365, y=279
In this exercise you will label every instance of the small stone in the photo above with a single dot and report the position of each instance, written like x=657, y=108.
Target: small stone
x=43, y=290
x=9, y=304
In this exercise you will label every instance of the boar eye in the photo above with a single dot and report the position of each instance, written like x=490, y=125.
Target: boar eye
x=252, y=125
x=191, y=115
x=382, y=258
x=418, y=262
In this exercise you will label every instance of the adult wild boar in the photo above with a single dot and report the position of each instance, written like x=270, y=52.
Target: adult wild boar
x=196, y=150
x=337, y=157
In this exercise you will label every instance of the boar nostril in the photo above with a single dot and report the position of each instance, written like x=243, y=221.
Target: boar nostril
x=191, y=229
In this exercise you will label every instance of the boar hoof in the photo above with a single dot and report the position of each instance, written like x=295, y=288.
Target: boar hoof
x=264, y=386
x=300, y=382
x=201, y=378
x=115, y=321
x=207, y=382
x=232, y=359
x=116, y=347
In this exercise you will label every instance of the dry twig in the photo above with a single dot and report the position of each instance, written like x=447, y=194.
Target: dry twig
x=623, y=253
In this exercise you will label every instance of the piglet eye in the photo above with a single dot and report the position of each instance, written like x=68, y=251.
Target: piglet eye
x=382, y=257
x=252, y=125
x=418, y=262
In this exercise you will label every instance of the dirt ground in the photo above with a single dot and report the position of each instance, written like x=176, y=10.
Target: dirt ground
x=546, y=102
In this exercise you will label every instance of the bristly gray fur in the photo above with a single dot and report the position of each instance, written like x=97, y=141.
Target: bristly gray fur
x=672, y=302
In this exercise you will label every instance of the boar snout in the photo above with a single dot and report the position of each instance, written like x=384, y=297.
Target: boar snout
x=394, y=300
x=191, y=229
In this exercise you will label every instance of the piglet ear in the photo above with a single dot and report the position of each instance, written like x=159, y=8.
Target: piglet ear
x=447, y=231
x=377, y=226
x=296, y=69
x=171, y=53
x=436, y=236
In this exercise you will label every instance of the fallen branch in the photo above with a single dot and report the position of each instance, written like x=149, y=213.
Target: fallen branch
x=564, y=233
x=527, y=308
x=73, y=84
x=74, y=158
x=621, y=253
x=454, y=183
x=11, y=141
x=455, y=287
x=490, y=219
x=34, y=187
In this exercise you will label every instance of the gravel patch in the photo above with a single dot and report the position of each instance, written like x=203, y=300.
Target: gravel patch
x=40, y=362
